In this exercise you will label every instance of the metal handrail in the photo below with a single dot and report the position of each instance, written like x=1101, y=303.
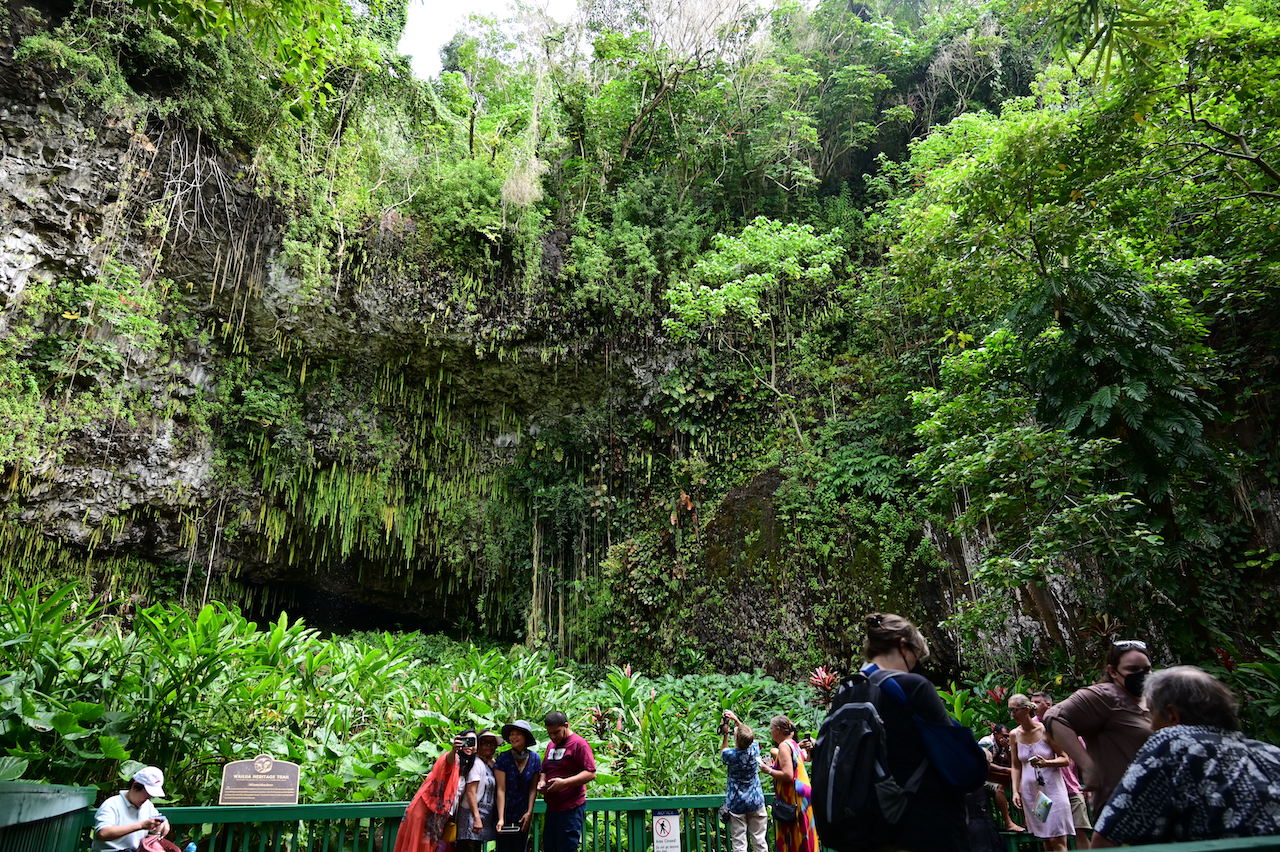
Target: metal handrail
x=612, y=825
x=42, y=817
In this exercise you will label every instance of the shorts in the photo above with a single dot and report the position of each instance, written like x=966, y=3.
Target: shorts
x=1079, y=811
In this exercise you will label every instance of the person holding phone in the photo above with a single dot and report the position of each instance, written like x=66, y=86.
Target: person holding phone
x=517, y=772
x=793, y=826
x=477, y=812
x=568, y=766
x=124, y=820
x=743, y=795
x=428, y=824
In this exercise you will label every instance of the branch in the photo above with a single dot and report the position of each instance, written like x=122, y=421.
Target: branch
x=782, y=397
x=639, y=121
x=1253, y=193
x=1245, y=152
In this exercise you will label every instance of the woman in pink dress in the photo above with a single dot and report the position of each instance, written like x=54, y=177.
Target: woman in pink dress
x=1037, y=768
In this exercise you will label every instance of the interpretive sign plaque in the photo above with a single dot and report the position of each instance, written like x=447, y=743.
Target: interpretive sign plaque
x=261, y=781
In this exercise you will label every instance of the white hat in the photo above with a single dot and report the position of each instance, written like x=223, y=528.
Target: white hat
x=152, y=779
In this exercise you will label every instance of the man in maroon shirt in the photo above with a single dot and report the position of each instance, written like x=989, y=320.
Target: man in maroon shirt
x=567, y=767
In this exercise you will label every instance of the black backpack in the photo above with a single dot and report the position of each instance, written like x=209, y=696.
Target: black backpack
x=856, y=800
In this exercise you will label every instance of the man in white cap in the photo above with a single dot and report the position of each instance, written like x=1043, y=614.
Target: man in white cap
x=122, y=821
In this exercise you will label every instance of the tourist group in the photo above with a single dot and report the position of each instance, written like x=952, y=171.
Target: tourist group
x=1138, y=757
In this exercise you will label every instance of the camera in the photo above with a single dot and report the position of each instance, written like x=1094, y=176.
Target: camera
x=469, y=741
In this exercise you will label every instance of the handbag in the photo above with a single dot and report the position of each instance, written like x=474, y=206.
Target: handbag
x=1043, y=805
x=785, y=812
x=724, y=813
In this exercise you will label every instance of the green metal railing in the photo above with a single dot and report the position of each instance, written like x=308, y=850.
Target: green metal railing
x=1253, y=844
x=287, y=828
x=611, y=825
x=42, y=817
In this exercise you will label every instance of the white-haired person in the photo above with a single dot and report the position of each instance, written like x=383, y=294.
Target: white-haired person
x=1197, y=777
x=122, y=821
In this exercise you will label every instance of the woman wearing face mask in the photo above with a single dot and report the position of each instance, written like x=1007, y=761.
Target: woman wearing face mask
x=934, y=820
x=1109, y=717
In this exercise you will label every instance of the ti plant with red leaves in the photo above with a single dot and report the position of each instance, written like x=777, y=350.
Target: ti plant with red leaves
x=826, y=682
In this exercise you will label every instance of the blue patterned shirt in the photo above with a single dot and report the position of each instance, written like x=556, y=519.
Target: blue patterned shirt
x=1190, y=782
x=743, y=793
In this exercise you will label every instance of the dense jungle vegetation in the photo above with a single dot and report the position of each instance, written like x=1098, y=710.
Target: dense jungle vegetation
x=88, y=695
x=730, y=323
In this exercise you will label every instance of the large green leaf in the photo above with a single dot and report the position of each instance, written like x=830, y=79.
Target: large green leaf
x=112, y=749
x=12, y=768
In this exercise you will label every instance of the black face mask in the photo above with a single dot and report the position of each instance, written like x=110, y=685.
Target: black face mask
x=1133, y=683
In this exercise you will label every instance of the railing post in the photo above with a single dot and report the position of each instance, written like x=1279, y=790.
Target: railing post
x=637, y=837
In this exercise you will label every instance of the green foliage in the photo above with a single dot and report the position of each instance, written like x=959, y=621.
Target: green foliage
x=302, y=38
x=749, y=279
x=1121, y=358
x=465, y=209
x=975, y=339
x=75, y=354
x=81, y=692
x=123, y=61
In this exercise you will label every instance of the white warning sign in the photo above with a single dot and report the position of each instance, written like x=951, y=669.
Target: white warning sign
x=666, y=831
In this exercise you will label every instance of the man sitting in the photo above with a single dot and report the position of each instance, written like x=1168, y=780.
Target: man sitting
x=999, y=758
x=1197, y=777
x=124, y=820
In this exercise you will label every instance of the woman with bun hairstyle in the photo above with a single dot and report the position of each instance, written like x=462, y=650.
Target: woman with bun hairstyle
x=790, y=788
x=934, y=820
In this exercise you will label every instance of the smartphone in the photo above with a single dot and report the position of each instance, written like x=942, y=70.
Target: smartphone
x=509, y=828
x=469, y=741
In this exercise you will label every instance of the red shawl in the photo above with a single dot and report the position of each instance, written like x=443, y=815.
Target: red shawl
x=424, y=821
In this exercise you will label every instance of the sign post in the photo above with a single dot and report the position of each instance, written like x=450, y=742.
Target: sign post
x=261, y=781
x=666, y=831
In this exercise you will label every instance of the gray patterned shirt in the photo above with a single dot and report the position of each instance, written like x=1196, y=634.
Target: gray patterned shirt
x=1190, y=782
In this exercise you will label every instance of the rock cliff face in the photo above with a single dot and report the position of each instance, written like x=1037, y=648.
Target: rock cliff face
x=214, y=386
x=69, y=183
x=380, y=450
x=163, y=483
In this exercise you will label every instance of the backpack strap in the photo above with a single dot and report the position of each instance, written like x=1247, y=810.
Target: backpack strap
x=913, y=783
x=876, y=679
